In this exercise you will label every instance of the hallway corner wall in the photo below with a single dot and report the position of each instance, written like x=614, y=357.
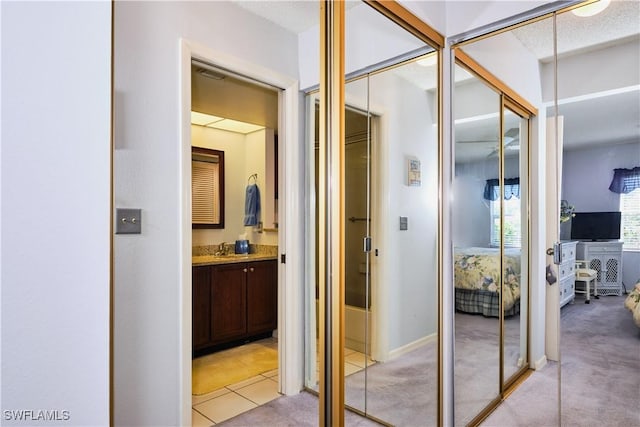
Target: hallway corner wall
x=56, y=145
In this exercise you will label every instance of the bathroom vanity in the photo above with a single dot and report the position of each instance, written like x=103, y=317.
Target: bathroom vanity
x=234, y=300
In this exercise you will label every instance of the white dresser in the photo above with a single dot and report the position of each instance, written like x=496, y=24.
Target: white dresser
x=567, y=273
x=606, y=259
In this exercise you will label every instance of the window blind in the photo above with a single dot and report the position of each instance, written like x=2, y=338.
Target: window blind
x=512, y=226
x=630, y=208
x=205, y=191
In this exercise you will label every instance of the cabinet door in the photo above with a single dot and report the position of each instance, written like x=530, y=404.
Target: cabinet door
x=262, y=296
x=228, y=302
x=201, y=306
x=610, y=271
x=596, y=264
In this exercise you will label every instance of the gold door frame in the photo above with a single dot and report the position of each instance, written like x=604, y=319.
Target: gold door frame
x=509, y=99
x=331, y=213
x=331, y=196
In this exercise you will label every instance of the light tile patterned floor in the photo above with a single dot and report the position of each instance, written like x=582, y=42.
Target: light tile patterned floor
x=234, y=399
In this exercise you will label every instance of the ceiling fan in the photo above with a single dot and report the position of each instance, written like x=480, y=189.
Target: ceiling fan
x=511, y=141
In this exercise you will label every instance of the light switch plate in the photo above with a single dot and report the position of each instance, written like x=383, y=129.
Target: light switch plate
x=404, y=223
x=128, y=221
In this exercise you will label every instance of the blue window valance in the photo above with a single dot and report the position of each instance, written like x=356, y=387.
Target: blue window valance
x=511, y=189
x=625, y=180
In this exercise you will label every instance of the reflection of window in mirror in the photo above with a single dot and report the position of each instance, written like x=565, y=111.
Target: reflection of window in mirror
x=207, y=188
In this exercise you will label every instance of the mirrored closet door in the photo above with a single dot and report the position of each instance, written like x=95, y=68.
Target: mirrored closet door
x=390, y=217
x=490, y=239
x=476, y=241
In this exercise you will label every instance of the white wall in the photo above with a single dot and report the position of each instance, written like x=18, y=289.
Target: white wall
x=611, y=67
x=244, y=155
x=55, y=210
x=148, y=277
x=506, y=58
x=408, y=257
x=471, y=214
x=586, y=176
x=255, y=162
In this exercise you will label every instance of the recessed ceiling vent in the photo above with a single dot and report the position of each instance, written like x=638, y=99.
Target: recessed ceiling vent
x=210, y=74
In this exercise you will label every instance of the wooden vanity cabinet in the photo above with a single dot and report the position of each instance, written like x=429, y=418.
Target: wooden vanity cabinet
x=262, y=297
x=233, y=302
x=228, y=302
x=201, y=306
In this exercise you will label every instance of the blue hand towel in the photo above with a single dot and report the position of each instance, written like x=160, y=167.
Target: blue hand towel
x=252, y=205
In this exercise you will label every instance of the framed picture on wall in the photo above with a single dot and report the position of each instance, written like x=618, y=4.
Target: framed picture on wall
x=413, y=173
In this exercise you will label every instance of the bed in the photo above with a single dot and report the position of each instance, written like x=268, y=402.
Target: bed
x=632, y=302
x=476, y=273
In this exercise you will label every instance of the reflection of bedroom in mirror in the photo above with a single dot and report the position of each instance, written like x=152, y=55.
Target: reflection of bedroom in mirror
x=490, y=237
x=476, y=262
x=596, y=79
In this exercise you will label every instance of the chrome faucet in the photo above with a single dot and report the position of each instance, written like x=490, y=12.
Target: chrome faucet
x=222, y=250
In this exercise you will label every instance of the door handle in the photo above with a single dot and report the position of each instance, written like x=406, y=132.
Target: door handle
x=556, y=252
x=366, y=244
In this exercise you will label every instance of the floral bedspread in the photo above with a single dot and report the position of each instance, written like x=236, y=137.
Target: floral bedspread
x=479, y=268
x=633, y=303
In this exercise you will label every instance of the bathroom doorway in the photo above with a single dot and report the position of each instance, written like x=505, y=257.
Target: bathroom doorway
x=361, y=129
x=234, y=326
x=358, y=272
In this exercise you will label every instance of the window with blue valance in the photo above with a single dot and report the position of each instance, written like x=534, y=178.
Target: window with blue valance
x=625, y=180
x=511, y=189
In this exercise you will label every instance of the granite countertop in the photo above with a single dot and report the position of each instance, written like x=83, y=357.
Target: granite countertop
x=206, y=255
x=229, y=259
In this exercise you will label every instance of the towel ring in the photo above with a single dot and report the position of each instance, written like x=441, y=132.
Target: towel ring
x=255, y=178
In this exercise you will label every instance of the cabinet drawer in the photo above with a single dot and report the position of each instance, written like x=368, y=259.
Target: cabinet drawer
x=568, y=253
x=567, y=285
x=566, y=269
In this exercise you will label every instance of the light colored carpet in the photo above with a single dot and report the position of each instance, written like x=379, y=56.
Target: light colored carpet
x=214, y=371
x=401, y=392
x=477, y=360
x=600, y=347
x=300, y=410
x=601, y=382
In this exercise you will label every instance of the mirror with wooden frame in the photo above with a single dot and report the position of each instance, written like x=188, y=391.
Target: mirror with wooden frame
x=207, y=188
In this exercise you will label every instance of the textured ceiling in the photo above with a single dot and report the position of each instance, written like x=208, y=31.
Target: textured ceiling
x=619, y=21
x=296, y=16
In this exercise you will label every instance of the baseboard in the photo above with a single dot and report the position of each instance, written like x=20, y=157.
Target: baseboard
x=540, y=363
x=412, y=346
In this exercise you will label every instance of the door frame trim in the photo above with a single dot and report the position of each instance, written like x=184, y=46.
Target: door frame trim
x=290, y=203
